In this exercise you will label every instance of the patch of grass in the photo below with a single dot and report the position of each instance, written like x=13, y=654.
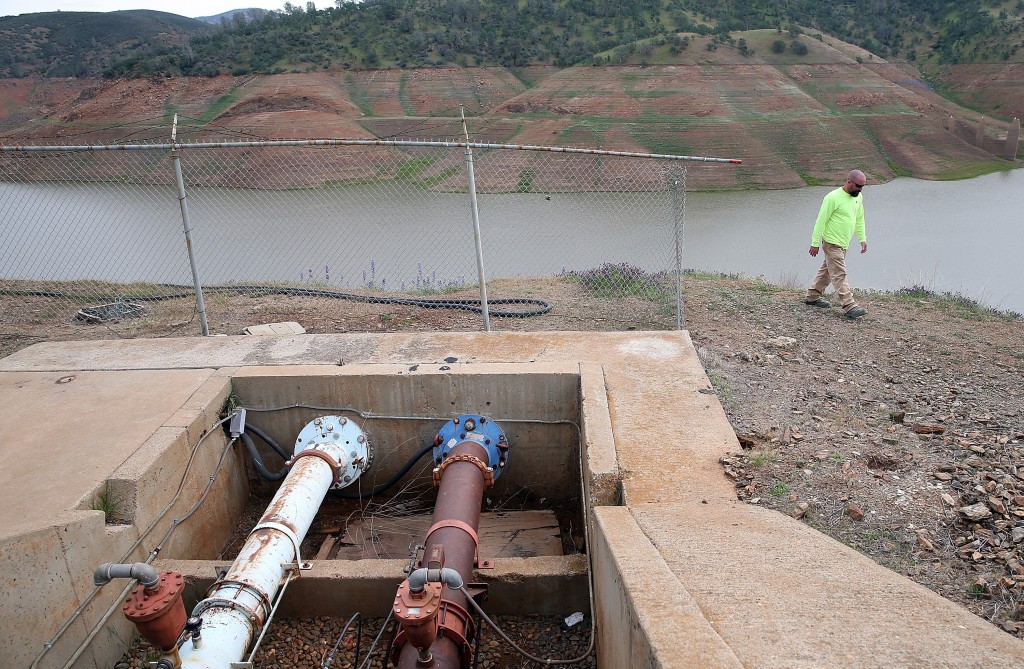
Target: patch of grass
x=624, y=280
x=977, y=590
x=761, y=458
x=360, y=95
x=812, y=180
x=719, y=384
x=962, y=306
x=220, y=105
x=525, y=184
x=897, y=169
x=972, y=170
x=414, y=166
x=106, y=503
x=779, y=489
x=430, y=182
x=232, y=401
x=403, y=96
x=762, y=286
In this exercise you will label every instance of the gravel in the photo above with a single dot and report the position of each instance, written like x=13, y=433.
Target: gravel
x=304, y=643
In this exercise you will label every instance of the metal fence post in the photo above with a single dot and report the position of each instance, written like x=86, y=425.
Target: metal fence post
x=677, y=186
x=200, y=304
x=474, y=212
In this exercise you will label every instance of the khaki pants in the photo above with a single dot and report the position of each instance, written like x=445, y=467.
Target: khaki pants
x=832, y=270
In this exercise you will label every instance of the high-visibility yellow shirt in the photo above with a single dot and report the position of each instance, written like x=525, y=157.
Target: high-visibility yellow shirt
x=840, y=216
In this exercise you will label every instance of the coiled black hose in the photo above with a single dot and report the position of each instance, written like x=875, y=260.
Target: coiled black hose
x=543, y=306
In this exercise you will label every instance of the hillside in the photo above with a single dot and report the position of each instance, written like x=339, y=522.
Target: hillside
x=422, y=33
x=76, y=44
x=793, y=120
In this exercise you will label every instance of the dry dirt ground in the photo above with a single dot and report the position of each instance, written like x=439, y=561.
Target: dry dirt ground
x=901, y=434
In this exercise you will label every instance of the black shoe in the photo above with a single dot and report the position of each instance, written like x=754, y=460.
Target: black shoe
x=855, y=313
x=820, y=302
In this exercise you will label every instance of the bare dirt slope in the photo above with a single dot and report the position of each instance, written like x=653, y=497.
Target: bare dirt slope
x=792, y=120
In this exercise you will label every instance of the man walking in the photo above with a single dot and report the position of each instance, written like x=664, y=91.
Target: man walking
x=840, y=216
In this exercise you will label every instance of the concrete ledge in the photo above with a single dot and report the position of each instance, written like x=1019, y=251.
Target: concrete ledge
x=48, y=553
x=516, y=586
x=146, y=484
x=781, y=594
x=602, y=480
x=645, y=617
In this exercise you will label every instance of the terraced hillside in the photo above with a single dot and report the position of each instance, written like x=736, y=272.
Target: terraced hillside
x=793, y=120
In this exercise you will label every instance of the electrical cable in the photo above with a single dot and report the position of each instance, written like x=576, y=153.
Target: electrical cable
x=329, y=660
x=373, y=646
x=254, y=456
x=269, y=441
x=543, y=306
x=127, y=555
x=409, y=464
x=390, y=482
x=590, y=578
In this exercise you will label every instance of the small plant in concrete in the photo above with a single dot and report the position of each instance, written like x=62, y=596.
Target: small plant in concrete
x=232, y=402
x=106, y=503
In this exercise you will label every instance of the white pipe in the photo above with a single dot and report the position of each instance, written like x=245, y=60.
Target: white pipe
x=239, y=604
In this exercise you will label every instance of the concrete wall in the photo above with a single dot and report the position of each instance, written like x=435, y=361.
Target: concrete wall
x=47, y=570
x=339, y=588
x=401, y=413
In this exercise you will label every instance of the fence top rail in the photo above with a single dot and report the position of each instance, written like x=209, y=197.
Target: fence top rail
x=177, y=146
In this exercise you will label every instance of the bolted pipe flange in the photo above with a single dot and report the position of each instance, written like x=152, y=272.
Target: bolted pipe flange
x=480, y=430
x=344, y=433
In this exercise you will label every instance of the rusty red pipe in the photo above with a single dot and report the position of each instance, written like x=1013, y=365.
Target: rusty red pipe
x=470, y=452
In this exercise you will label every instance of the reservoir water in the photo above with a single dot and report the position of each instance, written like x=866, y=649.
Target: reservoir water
x=963, y=236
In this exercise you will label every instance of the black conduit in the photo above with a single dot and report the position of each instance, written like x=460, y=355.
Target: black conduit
x=269, y=441
x=261, y=468
x=390, y=482
x=258, y=464
x=543, y=306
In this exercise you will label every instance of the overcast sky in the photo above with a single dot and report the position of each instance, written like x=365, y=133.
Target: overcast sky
x=191, y=8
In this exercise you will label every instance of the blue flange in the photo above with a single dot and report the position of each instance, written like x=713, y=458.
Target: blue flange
x=478, y=429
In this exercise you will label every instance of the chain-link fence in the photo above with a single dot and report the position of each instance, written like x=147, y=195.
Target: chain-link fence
x=122, y=236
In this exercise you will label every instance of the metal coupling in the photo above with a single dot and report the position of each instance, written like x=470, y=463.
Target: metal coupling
x=476, y=429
